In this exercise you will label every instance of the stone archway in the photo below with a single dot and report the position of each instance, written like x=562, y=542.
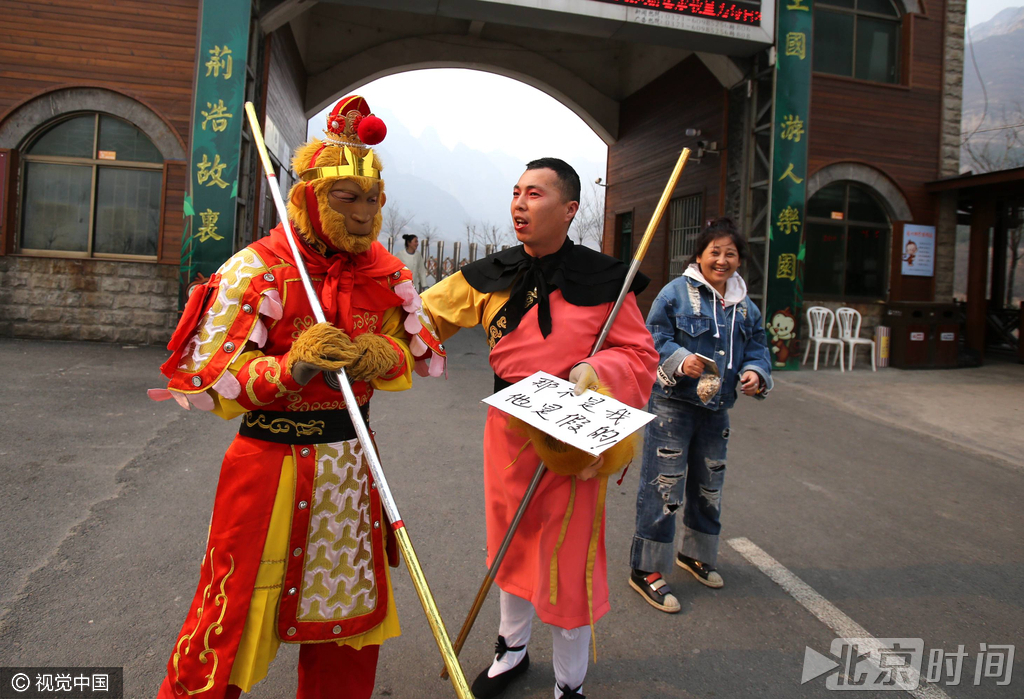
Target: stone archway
x=597, y=110
x=887, y=191
x=21, y=122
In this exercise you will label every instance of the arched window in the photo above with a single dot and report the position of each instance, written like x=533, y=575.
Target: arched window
x=91, y=188
x=847, y=243
x=858, y=38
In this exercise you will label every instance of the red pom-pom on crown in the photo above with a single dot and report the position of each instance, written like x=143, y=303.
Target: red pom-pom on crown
x=371, y=130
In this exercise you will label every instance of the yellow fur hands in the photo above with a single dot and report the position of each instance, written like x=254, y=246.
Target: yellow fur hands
x=377, y=357
x=324, y=347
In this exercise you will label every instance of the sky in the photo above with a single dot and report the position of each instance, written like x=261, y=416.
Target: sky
x=979, y=11
x=483, y=111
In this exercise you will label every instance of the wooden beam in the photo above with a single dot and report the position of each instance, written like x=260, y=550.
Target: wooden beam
x=982, y=218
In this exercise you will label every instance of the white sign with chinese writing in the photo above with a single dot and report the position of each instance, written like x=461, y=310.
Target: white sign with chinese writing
x=590, y=422
x=918, y=251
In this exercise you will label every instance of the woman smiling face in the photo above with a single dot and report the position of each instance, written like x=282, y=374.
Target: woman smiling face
x=719, y=261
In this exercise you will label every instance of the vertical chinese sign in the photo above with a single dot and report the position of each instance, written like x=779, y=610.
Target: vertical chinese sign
x=217, y=117
x=789, y=172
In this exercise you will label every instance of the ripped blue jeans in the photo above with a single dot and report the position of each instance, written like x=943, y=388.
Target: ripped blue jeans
x=683, y=469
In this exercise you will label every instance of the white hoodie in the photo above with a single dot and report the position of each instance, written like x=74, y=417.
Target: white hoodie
x=735, y=291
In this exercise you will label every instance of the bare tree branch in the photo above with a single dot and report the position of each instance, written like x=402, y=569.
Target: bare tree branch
x=588, y=226
x=395, y=221
x=999, y=148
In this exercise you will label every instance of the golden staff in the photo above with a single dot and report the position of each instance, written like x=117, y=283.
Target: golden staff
x=451, y=661
x=634, y=267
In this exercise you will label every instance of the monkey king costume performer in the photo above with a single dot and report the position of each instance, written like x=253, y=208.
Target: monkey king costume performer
x=297, y=550
x=545, y=314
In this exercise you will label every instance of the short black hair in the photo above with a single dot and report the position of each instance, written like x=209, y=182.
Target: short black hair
x=408, y=238
x=723, y=227
x=568, y=180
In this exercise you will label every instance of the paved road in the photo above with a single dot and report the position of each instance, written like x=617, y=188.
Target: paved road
x=105, y=498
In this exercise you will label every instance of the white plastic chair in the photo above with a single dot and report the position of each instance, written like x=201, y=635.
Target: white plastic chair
x=849, y=332
x=820, y=334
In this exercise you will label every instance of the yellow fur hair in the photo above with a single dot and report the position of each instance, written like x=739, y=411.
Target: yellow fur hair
x=376, y=357
x=323, y=346
x=331, y=221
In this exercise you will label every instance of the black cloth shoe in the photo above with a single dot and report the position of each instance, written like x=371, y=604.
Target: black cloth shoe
x=705, y=574
x=568, y=693
x=485, y=687
x=653, y=588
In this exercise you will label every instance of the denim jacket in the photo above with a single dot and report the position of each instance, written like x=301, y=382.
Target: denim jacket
x=688, y=317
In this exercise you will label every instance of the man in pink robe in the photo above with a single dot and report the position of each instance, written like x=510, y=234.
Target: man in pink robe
x=543, y=305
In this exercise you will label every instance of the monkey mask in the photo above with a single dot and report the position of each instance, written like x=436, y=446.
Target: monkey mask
x=329, y=217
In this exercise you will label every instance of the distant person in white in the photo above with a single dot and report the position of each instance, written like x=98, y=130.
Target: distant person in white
x=414, y=261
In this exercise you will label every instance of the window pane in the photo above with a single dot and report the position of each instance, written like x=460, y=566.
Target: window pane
x=823, y=271
x=864, y=207
x=684, y=226
x=879, y=7
x=827, y=200
x=865, y=261
x=126, y=142
x=72, y=138
x=56, y=211
x=127, y=211
x=625, y=236
x=833, y=42
x=876, y=49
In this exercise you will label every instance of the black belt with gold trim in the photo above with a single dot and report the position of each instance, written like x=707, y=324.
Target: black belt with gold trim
x=304, y=427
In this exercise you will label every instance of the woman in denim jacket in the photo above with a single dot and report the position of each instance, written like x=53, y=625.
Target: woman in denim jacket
x=705, y=312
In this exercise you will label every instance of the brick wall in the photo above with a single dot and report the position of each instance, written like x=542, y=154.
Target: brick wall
x=64, y=299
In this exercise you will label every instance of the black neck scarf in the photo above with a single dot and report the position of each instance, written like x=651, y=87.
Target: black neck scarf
x=584, y=276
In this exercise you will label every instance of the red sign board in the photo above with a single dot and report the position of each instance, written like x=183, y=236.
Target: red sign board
x=740, y=12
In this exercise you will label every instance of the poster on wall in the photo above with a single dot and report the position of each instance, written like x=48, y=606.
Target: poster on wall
x=918, y=251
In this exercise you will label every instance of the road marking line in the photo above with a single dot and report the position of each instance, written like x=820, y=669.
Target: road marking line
x=826, y=612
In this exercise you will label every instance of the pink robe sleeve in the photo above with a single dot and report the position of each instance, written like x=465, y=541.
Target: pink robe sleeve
x=627, y=361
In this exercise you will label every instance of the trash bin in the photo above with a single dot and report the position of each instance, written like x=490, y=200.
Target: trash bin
x=924, y=335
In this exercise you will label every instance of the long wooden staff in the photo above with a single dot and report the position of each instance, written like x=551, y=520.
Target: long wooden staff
x=641, y=250
x=451, y=661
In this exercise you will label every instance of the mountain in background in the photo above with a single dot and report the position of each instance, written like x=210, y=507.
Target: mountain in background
x=998, y=55
x=449, y=187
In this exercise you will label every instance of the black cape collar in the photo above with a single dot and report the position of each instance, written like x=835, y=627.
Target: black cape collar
x=584, y=276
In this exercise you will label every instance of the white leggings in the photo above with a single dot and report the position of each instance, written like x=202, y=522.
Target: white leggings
x=571, y=647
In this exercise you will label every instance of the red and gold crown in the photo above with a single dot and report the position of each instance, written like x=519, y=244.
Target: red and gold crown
x=353, y=127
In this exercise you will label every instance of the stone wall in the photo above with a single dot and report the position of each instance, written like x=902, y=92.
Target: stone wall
x=949, y=164
x=106, y=301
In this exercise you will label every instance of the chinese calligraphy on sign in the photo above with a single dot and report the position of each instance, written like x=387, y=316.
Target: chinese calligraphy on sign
x=792, y=128
x=590, y=422
x=789, y=179
x=209, y=173
x=209, y=228
x=789, y=173
x=220, y=61
x=217, y=116
x=786, y=267
x=789, y=220
x=796, y=45
x=215, y=139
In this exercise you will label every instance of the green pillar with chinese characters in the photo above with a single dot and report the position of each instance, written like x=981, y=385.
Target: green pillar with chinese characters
x=217, y=117
x=789, y=174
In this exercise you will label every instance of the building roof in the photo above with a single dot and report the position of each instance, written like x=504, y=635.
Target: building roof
x=1011, y=180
